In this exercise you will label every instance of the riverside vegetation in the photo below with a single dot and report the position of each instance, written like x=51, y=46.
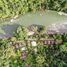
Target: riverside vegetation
x=12, y=8
x=27, y=49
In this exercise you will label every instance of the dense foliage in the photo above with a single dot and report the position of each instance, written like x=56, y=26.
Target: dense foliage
x=58, y=5
x=11, y=8
x=20, y=51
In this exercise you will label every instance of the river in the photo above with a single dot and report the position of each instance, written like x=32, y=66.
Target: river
x=47, y=18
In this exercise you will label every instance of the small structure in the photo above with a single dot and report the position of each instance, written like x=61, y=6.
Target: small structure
x=17, y=44
x=48, y=41
x=23, y=55
x=30, y=33
x=33, y=43
x=23, y=49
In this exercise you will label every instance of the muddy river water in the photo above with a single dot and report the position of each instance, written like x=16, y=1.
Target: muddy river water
x=51, y=19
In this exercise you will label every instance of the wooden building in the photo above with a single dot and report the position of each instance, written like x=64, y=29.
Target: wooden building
x=45, y=41
x=48, y=41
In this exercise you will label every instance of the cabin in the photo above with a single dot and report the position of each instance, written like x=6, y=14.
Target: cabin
x=48, y=41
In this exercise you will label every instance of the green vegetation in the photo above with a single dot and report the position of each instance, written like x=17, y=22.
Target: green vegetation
x=24, y=51
x=32, y=47
x=57, y=5
x=12, y=8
